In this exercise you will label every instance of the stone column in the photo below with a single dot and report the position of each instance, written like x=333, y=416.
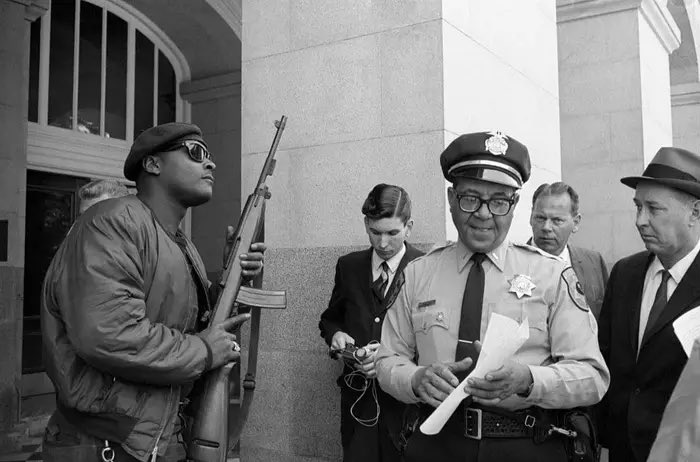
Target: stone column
x=361, y=83
x=373, y=91
x=500, y=73
x=685, y=100
x=15, y=17
x=615, y=108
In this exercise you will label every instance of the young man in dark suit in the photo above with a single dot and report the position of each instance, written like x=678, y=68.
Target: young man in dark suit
x=646, y=293
x=555, y=217
x=365, y=285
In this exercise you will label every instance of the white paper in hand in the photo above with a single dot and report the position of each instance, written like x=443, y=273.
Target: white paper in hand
x=687, y=329
x=503, y=338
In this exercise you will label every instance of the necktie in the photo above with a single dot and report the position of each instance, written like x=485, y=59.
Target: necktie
x=470, y=320
x=379, y=285
x=660, y=301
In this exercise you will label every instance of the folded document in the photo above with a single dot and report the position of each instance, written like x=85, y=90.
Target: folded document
x=503, y=338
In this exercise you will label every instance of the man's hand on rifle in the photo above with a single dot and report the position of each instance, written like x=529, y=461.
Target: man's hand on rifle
x=252, y=261
x=224, y=348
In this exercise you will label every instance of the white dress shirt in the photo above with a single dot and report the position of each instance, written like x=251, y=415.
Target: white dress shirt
x=393, y=263
x=564, y=256
x=652, y=280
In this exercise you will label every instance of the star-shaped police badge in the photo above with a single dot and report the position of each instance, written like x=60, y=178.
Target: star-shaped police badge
x=521, y=285
x=497, y=144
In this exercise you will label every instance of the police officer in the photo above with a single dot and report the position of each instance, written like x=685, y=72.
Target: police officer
x=430, y=335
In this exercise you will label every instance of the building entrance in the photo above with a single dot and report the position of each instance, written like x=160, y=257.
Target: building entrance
x=52, y=207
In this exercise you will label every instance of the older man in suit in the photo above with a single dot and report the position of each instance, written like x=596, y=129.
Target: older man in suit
x=555, y=217
x=366, y=282
x=646, y=293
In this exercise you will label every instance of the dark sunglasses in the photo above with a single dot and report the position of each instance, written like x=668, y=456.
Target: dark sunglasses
x=195, y=149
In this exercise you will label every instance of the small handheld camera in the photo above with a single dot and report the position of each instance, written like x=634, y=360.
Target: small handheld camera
x=350, y=353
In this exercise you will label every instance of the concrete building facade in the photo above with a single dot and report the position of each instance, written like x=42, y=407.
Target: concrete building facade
x=374, y=91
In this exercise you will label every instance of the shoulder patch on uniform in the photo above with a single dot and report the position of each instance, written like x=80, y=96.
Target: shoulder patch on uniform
x=575, y=289
x=534, y=249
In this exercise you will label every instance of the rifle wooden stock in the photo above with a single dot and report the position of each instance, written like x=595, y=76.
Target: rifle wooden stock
x=209, y=433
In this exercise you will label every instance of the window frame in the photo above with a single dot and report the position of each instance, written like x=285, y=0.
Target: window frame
x=71, y=152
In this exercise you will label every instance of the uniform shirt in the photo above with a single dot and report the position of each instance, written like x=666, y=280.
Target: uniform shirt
x=652, y=281
x=393, y=263
x=562, y=351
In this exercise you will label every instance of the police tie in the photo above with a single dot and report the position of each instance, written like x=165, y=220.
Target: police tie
x=470, y=319
x=379, y=284
x=660, y=301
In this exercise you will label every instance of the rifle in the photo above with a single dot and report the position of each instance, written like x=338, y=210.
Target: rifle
x=209, y=433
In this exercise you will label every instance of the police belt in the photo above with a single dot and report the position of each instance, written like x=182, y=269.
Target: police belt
x=477, y=422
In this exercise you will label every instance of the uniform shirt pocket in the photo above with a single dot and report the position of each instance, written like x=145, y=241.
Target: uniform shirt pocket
x=433, y=339
x=425, y=321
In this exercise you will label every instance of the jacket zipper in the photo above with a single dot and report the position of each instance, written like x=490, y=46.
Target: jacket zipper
x=164, y=422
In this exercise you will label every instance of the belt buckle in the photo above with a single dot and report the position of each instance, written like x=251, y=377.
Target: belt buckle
x=472, y=427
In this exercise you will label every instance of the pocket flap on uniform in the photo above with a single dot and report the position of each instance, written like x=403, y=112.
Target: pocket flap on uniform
x=433, y=318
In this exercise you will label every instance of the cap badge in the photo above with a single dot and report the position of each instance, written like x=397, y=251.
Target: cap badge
x=497, y=144
x=521, y=285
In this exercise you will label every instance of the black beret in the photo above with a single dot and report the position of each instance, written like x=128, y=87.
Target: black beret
x=673, y=167
x=155, y=140
x=487, y=156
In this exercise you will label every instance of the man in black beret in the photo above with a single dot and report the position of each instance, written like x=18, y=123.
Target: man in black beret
x=647, y=292
x=430, y=337
x=124, y=310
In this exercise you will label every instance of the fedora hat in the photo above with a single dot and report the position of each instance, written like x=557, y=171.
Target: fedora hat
x=672, y=167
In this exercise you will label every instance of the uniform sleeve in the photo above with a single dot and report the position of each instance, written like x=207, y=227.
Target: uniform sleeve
x=578, y=375
x=332, y=318
x=102, y=297
x=394, y=361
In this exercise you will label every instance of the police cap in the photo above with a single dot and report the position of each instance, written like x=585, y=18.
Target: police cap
x=157, y=139
x=487, y=156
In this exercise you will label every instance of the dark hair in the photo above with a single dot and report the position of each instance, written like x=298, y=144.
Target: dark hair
x=387, y=201
x=556, y=189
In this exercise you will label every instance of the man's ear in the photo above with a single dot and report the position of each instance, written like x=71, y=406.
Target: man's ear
x=452, y=198
x=151, y=164
x=695, y=212
x=577, y=221
x=409, y=227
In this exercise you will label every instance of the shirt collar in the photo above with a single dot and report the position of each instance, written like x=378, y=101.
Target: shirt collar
x=393, y=262
x=678, y=270
x=564, y=256
x=497, y=256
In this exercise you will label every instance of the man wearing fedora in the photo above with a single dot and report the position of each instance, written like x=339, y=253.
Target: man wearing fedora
x=646, y=292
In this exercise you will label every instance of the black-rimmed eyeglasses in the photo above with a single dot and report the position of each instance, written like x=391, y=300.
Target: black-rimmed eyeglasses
x=196, y=150
x=497, y=205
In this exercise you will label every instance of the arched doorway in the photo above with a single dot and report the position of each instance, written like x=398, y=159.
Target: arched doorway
x=100, y=73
